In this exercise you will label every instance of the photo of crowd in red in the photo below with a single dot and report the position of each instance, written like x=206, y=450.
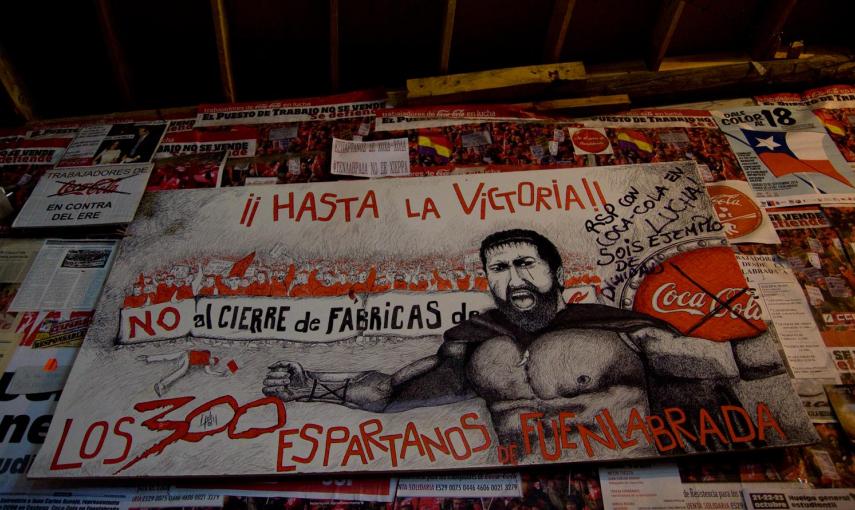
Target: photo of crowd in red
x=818, y=261
x=843, y=221
x=494, y=145
x=315, y=278
x=827, y=464
x=7, y=294
x=284, y=168
x=309, y=136
x=708, y=147
x=17, y=182
x=186, y=172
x=840, y=124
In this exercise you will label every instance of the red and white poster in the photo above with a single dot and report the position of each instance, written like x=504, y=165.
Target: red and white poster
x=343, y=106
x=657, y=135
x=187, y=172
x=477, y=138
x=24, y=158
x=235, y=141
x=98, y=195
x=421, y=324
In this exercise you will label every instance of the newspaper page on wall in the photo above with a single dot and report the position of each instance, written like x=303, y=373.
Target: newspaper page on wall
x=16, y=257
x=65, y=275
x=814, y=251
x=56, y=300
x=425, y=324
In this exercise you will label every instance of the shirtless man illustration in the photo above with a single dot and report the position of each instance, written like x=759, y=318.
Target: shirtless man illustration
x=534, y=353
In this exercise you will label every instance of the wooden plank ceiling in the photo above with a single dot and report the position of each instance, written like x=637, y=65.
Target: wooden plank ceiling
x=84, y=57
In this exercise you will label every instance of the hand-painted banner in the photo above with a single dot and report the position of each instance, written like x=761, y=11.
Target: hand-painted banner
x=327, y=319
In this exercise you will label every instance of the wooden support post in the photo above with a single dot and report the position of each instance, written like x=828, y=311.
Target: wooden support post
x=557, y=31
x=15, y=88
x=447, y=32
x=114, y=49
x=334, y=46
x=769, y=27
x=663, y=31
x=495, y=84
x=221, y=30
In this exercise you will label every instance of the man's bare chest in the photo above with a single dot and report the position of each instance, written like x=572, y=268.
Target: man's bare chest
x=558, y=364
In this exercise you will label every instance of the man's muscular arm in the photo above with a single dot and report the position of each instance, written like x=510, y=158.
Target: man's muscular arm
x=675, y=355
x=428, y=381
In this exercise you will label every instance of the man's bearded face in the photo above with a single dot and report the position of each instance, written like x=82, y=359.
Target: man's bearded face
x=524, y=287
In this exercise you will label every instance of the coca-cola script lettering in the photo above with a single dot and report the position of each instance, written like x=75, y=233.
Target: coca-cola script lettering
x=100, y=187
x=668, y=299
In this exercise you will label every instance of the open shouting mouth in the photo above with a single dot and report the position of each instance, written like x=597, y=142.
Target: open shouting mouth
x=522, y=299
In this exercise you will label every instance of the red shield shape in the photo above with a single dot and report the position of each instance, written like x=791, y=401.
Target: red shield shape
x=702, y=293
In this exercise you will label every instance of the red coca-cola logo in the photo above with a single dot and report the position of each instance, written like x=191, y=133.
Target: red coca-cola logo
x=100, y=187
x=702, y=293
x=735, y=210
x=590, y=140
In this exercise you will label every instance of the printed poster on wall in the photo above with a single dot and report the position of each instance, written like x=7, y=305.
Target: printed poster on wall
x=787, y=156
x=418, y=324
x=72, y=197
x=23, y=160
x=113, y=144
x=834, y=106
x=659, y=135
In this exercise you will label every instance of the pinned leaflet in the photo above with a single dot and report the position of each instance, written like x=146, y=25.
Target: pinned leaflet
x=382, y=158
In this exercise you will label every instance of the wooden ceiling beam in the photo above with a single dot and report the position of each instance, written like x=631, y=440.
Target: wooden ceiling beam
x=121, y=71
x=695, y=75
x=575, y=104
x=769, y=27
x=663, y=32
x=335, y=67
x=221, y=31
x=556, y=34
x=447, y=32
x=14, y=88
x=495, y=84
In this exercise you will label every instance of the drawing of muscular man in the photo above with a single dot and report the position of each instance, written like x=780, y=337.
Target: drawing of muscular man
x=534, y=353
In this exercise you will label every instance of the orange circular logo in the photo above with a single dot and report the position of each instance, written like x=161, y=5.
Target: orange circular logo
x=702, y=293
x=590, y=140
x=736, y=211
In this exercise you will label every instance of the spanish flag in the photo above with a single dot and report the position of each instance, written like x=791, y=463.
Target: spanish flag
x=636, y=139
x=435, y=144
x=834, y=126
